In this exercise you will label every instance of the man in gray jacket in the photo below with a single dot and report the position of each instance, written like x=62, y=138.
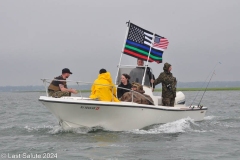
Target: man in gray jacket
x=137, y=74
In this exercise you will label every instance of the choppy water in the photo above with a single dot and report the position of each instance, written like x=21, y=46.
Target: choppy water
x=28, y=130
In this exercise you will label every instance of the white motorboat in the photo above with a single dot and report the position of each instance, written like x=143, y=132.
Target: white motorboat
x=117, y=116
x=74, y=112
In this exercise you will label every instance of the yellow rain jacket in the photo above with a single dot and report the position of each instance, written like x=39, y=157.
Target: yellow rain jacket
x=102, y=88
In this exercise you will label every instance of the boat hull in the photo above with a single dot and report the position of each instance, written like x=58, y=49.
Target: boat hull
x=73, y=112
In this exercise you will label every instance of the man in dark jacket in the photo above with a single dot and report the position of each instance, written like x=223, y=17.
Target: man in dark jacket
x=59, y=89
x=168, y=85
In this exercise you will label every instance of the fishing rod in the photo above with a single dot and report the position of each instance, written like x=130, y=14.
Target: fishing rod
x=204, y=83
x=199, y=91
x=205, y=90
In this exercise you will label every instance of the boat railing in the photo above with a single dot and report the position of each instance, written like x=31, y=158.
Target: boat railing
x=45, y=81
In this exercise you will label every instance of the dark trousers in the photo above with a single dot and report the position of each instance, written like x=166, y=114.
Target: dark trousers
x=58, y=94
x=168, y=102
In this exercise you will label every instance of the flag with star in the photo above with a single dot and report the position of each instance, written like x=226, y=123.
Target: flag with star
x=139, y=42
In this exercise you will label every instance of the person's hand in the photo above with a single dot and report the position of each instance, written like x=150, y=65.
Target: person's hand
x=73, y=91
x=152, y=81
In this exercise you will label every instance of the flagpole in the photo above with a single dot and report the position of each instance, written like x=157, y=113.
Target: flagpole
x=147, y=62
x=122, y=50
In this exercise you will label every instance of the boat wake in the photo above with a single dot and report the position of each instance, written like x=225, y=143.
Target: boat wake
x=179, y=126
x=46, y=129
x=59, y=130
x=209, y=117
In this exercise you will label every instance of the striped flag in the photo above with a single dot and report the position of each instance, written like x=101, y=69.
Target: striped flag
x=160, y=42
x=139, y=41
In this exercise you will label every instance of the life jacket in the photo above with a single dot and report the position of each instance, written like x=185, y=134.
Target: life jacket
x=54, y=85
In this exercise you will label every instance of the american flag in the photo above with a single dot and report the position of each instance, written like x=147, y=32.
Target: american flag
x=160, y=42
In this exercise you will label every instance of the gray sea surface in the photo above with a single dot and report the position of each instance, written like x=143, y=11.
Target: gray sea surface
x=29, y=131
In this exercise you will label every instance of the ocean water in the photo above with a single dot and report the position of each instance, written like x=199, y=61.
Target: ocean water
x=29, y=131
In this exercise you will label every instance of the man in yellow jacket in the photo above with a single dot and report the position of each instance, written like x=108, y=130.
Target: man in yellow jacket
x=103, y=88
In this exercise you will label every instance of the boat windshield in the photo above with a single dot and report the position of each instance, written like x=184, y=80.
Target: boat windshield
x=136, y=74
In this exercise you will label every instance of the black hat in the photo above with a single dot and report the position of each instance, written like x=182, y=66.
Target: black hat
x=66, y=70
x=102, y=71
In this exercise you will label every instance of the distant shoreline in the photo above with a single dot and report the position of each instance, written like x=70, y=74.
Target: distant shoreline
x=203, y=89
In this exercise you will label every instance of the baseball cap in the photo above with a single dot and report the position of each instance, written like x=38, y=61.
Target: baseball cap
x=66, y=70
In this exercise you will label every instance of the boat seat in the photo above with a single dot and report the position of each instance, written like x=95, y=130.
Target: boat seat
x=159, y=100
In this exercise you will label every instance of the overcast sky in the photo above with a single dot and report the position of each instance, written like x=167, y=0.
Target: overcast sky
x=39, y=38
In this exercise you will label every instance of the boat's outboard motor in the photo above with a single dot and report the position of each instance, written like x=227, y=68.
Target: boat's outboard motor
x=180, y=98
